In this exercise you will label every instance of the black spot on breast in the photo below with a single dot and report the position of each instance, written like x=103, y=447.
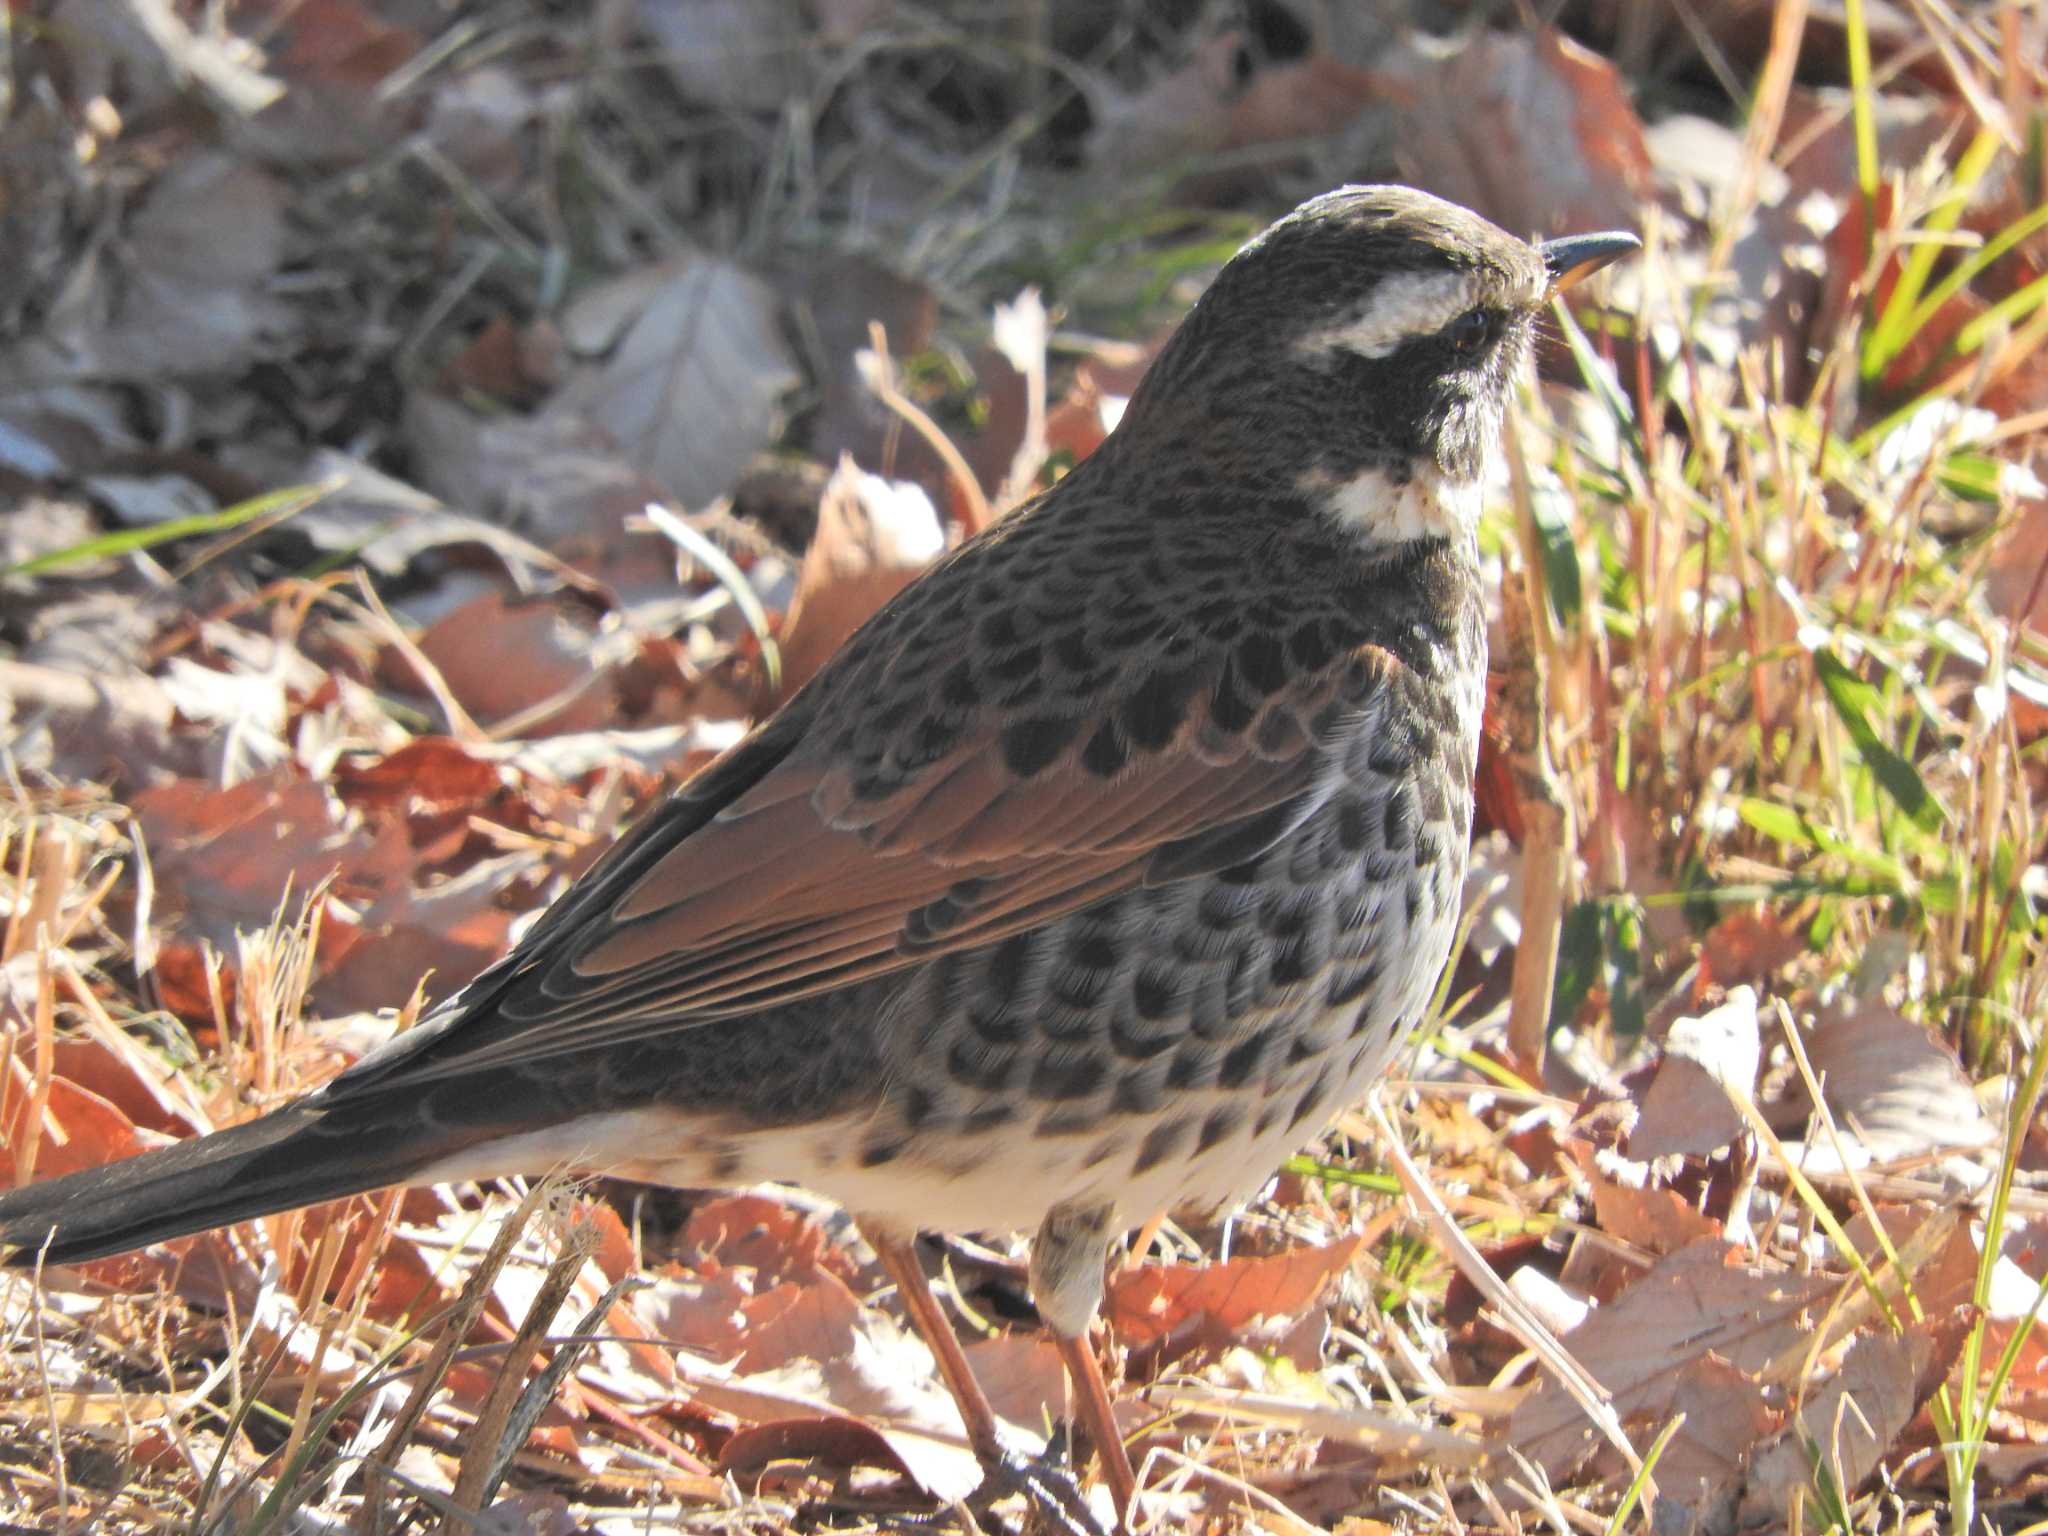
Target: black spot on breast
x=1159, y=1145
x=1137, y=1093
x=1067, y=1077
x=988, y=1117
x=1241, y=1061
x=1352, y=983
x=960, y=688
x=1293, y=962
x=1311, y=1099
x=1105, y=754
x=1094, y=953
x=1221, y=1124
x=919, y=1105
x=1006, y=963
x=1189, y=1067
x=996, y=1024
x=999, y=629
x=1120, y=637
x=1032, y=745
x=1018, y=664
x=1074, y=651
x=1304, y=1047
x=972, y=1063
x=1354, y=824
x=1154, y=993
x=1103, y=1151
x=1397, y=821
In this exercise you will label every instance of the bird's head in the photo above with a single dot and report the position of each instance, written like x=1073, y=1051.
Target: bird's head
x=1363, y=347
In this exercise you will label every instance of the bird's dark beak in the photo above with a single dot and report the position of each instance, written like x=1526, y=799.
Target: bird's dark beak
x=1577, y=256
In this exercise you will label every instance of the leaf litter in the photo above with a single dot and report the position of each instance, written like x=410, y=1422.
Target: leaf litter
x=500, y=289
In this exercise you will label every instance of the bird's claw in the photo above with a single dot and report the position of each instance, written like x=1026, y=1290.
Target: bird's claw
x=1053, y=1501
x=1054, y=1504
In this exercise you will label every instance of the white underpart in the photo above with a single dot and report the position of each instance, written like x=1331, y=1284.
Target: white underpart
x=1430, y=506
x=656, y=1146
x=1400, y=308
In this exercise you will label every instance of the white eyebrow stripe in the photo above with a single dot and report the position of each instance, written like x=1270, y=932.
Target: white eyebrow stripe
x=1401, y=308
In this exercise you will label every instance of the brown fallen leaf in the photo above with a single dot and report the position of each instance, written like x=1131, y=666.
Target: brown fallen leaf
x=770, y=1237
x=1181, y=1307
x=1658, y=1220
x=115, y=728
x=841, y=1357
x=504, y=657
x=223, y=855
x=128, y=1081
x=1856, y=1416
x=1895, y=1091
x=1701, y=1469
x=833, y=300
x=873, y=536
x=429, y=773
x=1749, y=946
x=1694, y=1303
x=687, y=375
x=1528, y=128
x=1686, y=1108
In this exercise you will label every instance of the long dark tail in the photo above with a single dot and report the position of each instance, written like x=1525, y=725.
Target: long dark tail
x=299, y=1155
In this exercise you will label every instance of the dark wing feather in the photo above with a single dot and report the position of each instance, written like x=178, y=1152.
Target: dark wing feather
x=775, y=875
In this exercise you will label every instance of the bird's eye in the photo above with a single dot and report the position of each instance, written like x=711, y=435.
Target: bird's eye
x=1470, y=331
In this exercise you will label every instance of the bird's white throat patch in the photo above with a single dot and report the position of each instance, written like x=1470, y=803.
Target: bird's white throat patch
x=1430, y=506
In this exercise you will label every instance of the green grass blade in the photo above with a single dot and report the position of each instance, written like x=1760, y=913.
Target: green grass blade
x=1971, y=266
x=1903, y=314
x=1641, y=1481
x=1854, y=701
x=2008, y=311
x=1863, y=100
x=288, y=502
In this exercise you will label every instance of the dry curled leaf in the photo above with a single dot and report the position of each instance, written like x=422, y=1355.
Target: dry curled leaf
x=1694, y=1303
x=873, y=537
x=1687, y=1108
x=692, y=375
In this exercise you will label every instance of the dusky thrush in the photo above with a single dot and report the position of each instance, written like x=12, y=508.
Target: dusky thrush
x=1094, y=874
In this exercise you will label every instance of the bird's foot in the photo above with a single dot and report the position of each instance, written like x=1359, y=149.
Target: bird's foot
x=1054, y=1502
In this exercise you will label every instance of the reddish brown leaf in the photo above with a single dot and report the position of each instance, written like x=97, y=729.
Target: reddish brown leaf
x=1748, y=947
x=1529, y=129
x=1658, y=1220
x=1857, y=1416
x=873, y=536
x=775, y=1240
x=1187, y=1306
x=429, y=773
x=1695, y=1302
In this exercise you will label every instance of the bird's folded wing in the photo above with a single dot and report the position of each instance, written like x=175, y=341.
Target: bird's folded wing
x=776, y=875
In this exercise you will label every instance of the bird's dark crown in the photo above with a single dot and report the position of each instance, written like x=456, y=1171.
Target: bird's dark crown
x=1366, y=342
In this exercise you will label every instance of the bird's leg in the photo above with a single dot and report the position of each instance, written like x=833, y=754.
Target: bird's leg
x=1067, y=1259
x=1049, y=1489
x=899, y=1258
